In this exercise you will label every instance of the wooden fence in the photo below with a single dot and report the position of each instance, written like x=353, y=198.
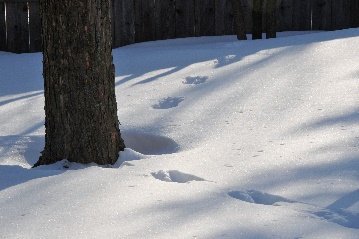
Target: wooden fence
x=147, y=20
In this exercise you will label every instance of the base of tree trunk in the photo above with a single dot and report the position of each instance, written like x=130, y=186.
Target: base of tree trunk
x=81, y=122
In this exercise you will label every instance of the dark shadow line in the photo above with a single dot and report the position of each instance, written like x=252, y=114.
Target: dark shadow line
x=346, y=201
x=20, y=98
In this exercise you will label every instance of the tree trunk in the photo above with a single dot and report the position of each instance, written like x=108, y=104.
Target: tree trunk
x=80, y=104
x=257, y=16
x=239, y=20
x=271, y=19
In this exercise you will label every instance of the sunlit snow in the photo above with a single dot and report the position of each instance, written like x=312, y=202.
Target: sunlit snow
x=226, y=139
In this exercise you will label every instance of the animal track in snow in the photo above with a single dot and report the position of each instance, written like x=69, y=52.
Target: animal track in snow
x=167, y=103
x=175, y=176
x=195, y=80
x=339, y=216
x=149, y=144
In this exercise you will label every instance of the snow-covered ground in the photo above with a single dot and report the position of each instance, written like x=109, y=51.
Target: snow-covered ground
x=226, y=139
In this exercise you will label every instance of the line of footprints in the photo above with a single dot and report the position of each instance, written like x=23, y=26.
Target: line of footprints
x=171, y=102
x=335, y=213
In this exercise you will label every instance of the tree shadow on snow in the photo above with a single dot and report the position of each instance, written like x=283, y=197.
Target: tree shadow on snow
x=20, y=73
x=335, y=213
x=131, y=63
x=18, y=154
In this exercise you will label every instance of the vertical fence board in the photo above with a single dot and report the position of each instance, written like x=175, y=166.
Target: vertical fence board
x=322, y=15
x=124, y=22
x=35, y=26
x=301, y=15
x=165, y=19
x=340, y=14
x=185, y=19
x=220, y=6
x=354, y=13
x=2, y=27
x=346, y=14
x=224, y=18
x=285, y=15
x=145, y=20
x=247, y=6
x=204, y=18
x=264, y=16
x=17, y=27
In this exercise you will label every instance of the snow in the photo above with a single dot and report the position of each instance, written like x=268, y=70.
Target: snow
x=226, y=139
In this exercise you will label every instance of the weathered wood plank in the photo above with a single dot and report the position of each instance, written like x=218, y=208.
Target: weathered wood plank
x=354, y=13
x=224, y=18
x=285, y=15
x=257, y=13
x=145, y=22
x=220, y=7
x=17, y=27
x=165, y=19
x=2, y=27
x=239, y=24
x=322, y=15
x=301, y=15
x=271, y=19
x=124, y=22
x=185, y=19
x=204, y=17
x=247, y=6
x=340, y=14
x=35, y=26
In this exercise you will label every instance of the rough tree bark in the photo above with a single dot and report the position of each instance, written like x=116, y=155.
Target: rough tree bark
x=257, y=16
x=271, y=19
x=80, y=104
x=239, y=20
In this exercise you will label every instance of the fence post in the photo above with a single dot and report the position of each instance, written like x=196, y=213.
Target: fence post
x=2, y=27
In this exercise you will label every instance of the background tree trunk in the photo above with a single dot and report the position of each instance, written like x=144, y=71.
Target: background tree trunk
x=257, y=16
x=271, y=19
x=240, y=27
x=80, y=103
